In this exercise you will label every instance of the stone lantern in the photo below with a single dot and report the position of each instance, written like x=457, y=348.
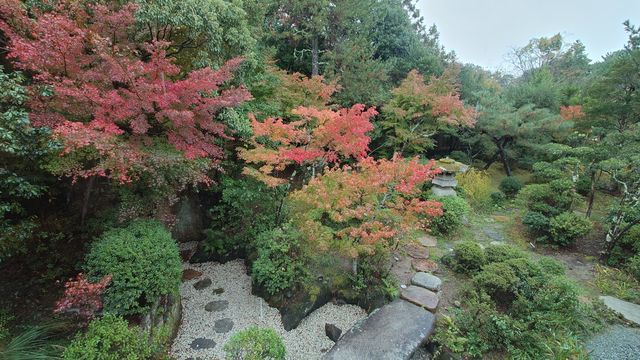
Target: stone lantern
x=445, y=182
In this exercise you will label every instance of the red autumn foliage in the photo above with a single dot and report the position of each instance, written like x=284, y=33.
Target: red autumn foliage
x=317, y=137
x=112, y=95
x=82, y=297
x=571, y=112
x=375, y=203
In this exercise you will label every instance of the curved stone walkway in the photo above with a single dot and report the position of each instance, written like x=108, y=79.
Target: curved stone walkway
x=217, y=302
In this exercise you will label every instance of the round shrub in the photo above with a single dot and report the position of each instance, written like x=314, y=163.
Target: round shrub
x=567, y=227
x=497, y=280
x=109, y=338
x=280, y=265
x=255, y=344
x=498, y=198
x=536, y=222
x=499, y=253
x=583, y=185
x=510, y=186
x=468, y=257
x=551, y=266
x=144, y=262
x=454, y=209
x=633, y=266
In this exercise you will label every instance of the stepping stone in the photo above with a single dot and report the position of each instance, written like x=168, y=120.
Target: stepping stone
x=190, y=274
x=217, y=305
x=185, y=255
x=202, y=284
x=218, y=291
x=202, y=343
x=333, y=332
x=421, y=297
x=394, y=331
x=493, y=235
x=427, y=281
x=428, y=241
x=424, y=265
x=417, y=251
x=223, y=326
x=629, y=311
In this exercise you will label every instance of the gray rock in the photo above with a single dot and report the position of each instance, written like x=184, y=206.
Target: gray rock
x=421, y=297
x=202, y=343
x=629, y=311
x=218, y=291
x=202, y=284
x=394, y=331
x=616, y=343
x=333, y=332
x=427, y=281
x=223, y=326
x=493, y=235
x=217, y=305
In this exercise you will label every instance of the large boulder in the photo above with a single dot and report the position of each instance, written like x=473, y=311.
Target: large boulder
x=394, y=331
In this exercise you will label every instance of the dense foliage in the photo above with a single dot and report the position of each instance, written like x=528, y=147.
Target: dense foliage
x=109, y=338
x=255, y=344
x=143, y=262
x=515, y=304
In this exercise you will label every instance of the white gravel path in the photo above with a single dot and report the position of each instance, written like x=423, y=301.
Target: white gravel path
x=308, y=341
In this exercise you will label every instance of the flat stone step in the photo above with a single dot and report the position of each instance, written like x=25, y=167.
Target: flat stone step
x=629, y=311
x=421, y=297
x=392, y=332
x=427, y=281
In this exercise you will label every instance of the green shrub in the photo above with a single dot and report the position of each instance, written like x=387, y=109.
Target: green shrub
x=454, y=209
x=510, y=186
x=247, y=208
x=567, y=227
x=583, y=185
x=498, y=198
x=549, y=199
x=280, y=264
x=499, y=253
x=255, y=344
x=468, y=257
x=497, y=280
x=477, y=187
x=551, y=266
x=144, y=263
x=109, y=338
x=633, y=266
x=536, y=223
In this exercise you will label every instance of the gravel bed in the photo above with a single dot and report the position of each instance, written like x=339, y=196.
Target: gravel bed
x=307, y=341
x=615, y=343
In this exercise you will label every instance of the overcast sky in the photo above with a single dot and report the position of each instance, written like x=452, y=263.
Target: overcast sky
x=483, y=31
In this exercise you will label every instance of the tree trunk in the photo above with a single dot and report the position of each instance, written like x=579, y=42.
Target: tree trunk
x=592, y=194
x=314, y=56
x=503, y=158
x=492, y=160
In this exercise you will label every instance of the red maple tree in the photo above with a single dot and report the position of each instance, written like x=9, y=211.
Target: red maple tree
x=317, y=137
x=110, y=98
x=82, y=297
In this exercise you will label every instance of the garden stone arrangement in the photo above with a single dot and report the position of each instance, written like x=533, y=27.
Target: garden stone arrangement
x=219, y=303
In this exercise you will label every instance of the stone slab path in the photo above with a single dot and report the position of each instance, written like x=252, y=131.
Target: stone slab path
x=392, y=332
x=218, y=303
x=629, y=311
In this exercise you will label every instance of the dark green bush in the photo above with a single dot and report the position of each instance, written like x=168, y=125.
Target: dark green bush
x=498, y=198
x=567, y=227
x=536, y=223
x=633, y=266
x=499, y=253
x=551, y=266
x=468, y=257
x=510, y=186
x=247, y=208
x=255, y=344
x=454, y=209
x=518, y=308
x=280, y=264
x=109, y=338
x=583, y=185
x=497, y=280
x=550, y=199
x=144, y=263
